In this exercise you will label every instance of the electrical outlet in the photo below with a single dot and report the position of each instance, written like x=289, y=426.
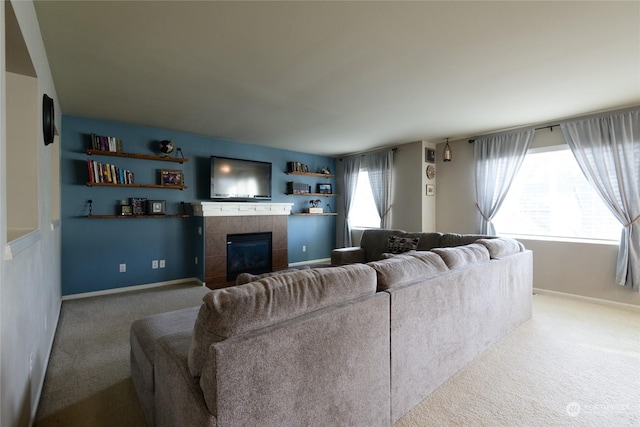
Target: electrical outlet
x=162, y=263
x=154, y=264
x=123, y=268
x=304, y=248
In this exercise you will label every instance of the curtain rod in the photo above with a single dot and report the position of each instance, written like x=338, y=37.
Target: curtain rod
x=550, y=127
x=394, y=149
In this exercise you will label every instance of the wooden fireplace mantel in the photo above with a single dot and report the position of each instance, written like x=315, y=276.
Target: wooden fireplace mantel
x=240, y=208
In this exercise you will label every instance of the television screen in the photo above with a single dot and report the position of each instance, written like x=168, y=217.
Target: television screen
x=237, y=179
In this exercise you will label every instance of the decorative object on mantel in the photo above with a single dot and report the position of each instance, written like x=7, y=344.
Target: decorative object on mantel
x=446, y=154
x=325, y=170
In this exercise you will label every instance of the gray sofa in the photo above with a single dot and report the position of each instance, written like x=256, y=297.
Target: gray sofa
x=374, y=244
x=355, y=345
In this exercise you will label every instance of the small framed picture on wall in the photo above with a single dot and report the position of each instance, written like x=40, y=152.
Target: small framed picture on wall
x=431, y=190
x=429, y=155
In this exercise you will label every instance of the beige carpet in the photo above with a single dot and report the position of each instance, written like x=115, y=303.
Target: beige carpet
x=573, y=364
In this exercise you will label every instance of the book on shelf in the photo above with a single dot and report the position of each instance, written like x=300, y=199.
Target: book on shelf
x=106, y=143
x=108, y=173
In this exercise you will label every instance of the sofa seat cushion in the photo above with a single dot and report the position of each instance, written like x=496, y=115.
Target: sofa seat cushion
x=240, y=309
x=501, y=246
x=461, y=255
x=145, y=332
x=406, y=268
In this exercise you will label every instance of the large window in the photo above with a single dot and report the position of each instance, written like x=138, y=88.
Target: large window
x=363, y=213
x=551, y=197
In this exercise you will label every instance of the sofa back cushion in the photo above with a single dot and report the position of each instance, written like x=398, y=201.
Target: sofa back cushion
x=501, y=246
x=376, y=241
x=461, y=255
x=243, y=278
x=455, y=239
x=239, y=309
x=405, y=268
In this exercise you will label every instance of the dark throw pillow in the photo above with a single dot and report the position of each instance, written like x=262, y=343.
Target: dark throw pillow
x=398, y=245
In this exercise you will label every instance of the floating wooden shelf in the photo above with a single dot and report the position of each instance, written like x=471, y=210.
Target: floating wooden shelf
x=136, y=156
x=110, y=184
x=137, y=216
x=311, y=194
x=311, y=214
x=323, y=175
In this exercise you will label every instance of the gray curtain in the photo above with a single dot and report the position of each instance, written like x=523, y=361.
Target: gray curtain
x=607, y=148
x=379, y=166
x=351, y=169
x=497, y=160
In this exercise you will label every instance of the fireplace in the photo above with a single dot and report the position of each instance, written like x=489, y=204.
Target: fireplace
x=248, y=253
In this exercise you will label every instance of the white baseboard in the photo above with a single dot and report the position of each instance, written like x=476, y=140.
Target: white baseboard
x=131, y=288
x=615, y=304
x=312, y=261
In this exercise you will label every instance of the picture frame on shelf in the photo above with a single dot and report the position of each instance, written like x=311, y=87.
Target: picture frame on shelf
x=138, y=205
x=171, y=178
x=156, y=207
x=125, y=210
x=325, y=189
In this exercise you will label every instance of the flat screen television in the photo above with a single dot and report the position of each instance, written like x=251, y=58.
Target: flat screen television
x=240, y=180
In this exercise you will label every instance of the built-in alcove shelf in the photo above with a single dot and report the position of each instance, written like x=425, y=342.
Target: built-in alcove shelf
x=91, y=151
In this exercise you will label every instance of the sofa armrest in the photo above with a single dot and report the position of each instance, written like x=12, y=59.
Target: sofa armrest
x=351, y=255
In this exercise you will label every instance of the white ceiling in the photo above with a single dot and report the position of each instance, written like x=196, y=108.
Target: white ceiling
x=333, y=78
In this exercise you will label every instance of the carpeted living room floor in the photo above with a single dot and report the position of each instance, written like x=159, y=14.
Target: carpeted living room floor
x=573, y=364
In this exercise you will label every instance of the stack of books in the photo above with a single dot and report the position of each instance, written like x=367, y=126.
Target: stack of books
x=106, y=143
x=99, y=172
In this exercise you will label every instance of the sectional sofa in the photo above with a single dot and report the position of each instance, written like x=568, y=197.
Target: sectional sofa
x=352, y=345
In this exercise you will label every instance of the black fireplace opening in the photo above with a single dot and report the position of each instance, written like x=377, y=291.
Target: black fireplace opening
x=248, y=253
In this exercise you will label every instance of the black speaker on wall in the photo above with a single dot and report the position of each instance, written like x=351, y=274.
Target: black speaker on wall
x=48, y=116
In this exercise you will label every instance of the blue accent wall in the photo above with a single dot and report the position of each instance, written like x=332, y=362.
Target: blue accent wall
x=93, y=249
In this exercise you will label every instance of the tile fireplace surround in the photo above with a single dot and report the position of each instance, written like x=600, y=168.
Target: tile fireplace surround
x=223, y=218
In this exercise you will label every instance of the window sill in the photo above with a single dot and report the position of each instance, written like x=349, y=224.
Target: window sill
x=561, y=239
x=18, y=245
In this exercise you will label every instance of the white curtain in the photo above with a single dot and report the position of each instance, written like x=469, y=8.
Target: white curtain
x=350, y=169
x=379, y=166
x=607, y=149
x=497, y=160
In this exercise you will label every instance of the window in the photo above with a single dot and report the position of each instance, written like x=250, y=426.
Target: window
x=363, y=213
x=551, y=197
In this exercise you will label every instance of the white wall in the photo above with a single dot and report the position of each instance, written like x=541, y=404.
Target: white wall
x=582, y=269
x=30, y=267
x=412, y=209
